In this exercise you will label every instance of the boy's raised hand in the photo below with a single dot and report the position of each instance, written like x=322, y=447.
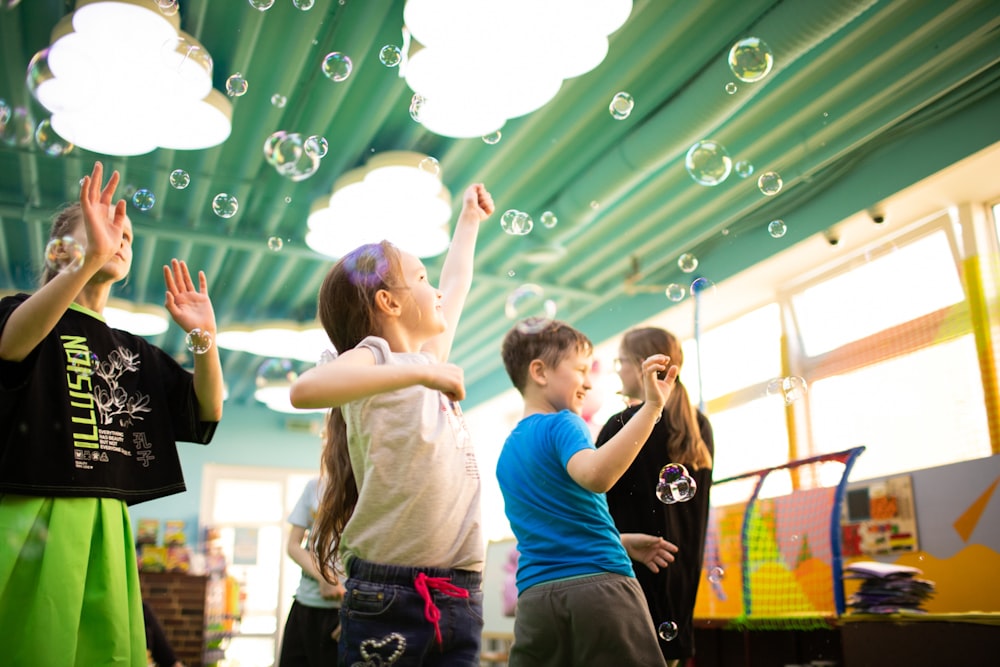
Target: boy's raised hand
x=478, y=202
x=105, y=224
x=658, y=379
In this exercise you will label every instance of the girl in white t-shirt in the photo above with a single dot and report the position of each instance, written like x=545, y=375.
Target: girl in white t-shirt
x=401, y=506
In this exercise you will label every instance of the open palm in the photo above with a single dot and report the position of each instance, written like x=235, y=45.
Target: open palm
x=190, y=308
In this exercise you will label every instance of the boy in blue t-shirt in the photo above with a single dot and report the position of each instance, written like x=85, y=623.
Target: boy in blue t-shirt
x=578, y=600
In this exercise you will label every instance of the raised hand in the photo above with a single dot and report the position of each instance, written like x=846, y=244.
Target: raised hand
x=190, y=308
x=105, y=224
x=449, y=379
x=477, y=201
x=658, y=379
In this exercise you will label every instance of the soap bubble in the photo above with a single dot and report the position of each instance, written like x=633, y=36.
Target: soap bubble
x=19, y=130
x=337, y=66
x=261, y=5
x=275, y=371
x=292, y=156
x=743, y=168
x=675, y=292
x=492, y=137
x=49, y=141
x=430, y=165
x=621, y=106
x=198, y=341
x=278, y=100
x=715, y=574
x=179, y=179
x=675, y=485
x=687, y=262
x=790, y=388
x=82, y=363
x=702, y=286
x=667, y=631
x=416, y=105
x=225, y=205
x=275, y=243
x=236, y=85
x=167, y=7
x=731, y=88
x=549, y=219
x=316, y=145
x=64, y=254
x=390, y=55
x=708, y=162
x=528, y=305
x=776, y=228
x=750, y=59
x=769, y=183
x=516, y=223
x=304, y=5
x=143, y=199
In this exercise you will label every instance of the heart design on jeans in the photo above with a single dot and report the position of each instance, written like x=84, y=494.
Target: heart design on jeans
x=371, y=650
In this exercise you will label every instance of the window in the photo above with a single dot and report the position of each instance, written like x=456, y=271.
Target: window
x=916, y=411
x=870, y=297
x=738, y=354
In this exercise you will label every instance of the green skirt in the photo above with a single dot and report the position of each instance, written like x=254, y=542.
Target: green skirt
x=69, y=586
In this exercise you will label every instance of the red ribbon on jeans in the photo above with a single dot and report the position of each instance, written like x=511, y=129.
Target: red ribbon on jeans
x=441, y=584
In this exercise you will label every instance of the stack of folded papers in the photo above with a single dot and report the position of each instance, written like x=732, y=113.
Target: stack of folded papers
x=887, y=588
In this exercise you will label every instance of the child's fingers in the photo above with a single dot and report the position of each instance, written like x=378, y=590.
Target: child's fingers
x=168, y=278
x=202, y=283
x=109, y=189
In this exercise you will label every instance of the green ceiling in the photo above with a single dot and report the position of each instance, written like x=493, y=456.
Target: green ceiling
x=864, y=98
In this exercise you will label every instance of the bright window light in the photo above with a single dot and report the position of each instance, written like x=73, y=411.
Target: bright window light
x=917, y=411
x=737, y=354
x=749, y=437
x=868, y=299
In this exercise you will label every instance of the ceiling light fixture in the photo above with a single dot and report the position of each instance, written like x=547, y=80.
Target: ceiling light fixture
x=397, y=196
x=276, y=340
x=137, y=318
x=523, y=48
x=121, y=78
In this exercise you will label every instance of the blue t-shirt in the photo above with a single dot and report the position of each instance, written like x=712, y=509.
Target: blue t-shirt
x=562, y=529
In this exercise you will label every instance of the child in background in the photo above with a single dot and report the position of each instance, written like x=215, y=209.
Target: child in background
x=402, y=503
x=683, y=435
x=89, y=417
x=309, y=637
x=578, y=600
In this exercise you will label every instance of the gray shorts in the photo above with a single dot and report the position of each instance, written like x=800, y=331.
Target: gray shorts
x=598, y=620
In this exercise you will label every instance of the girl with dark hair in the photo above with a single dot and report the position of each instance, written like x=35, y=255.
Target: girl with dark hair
x=682, y=435
x=89, y=418
x=401, y=505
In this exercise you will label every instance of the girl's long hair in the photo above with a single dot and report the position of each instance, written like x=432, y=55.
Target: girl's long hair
x=347, y=311
x=684, y=444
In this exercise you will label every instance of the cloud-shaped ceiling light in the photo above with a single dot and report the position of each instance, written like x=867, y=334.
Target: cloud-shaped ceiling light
x=397, y=196
x=484, y=62
x=121, y=78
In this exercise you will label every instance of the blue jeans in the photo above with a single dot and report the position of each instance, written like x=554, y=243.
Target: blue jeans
x=384, y=617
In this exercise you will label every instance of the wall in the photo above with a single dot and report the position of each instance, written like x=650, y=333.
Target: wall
x=246, y=436
x=958, y=526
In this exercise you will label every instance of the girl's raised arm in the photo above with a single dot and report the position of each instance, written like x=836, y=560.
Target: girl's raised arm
x=456, y=273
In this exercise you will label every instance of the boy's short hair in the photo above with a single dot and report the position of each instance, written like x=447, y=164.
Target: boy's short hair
x=551, y=344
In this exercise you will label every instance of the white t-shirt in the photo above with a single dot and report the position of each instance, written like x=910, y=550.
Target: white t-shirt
x=418, y=481
x=304, y=515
